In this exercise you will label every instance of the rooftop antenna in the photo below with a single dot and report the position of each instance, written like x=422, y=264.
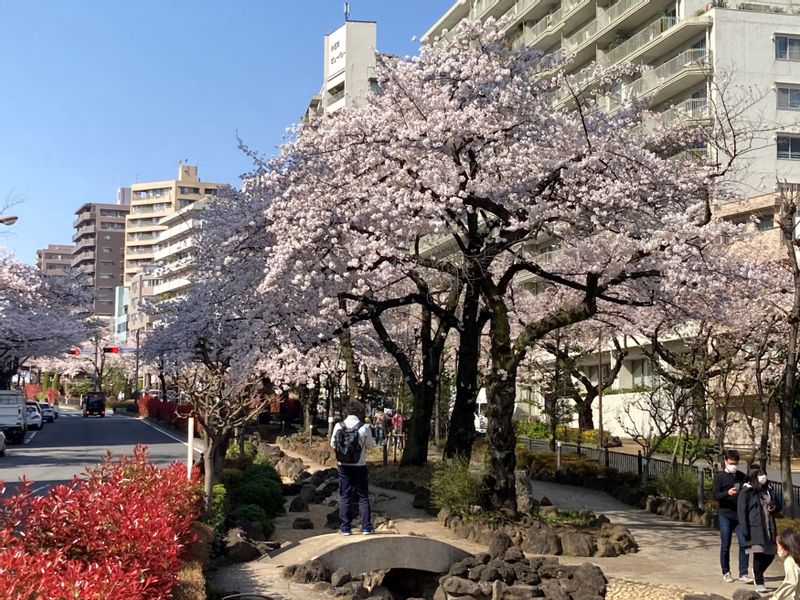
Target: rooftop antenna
x=346, y=11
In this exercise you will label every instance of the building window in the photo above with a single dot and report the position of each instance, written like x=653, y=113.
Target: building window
x=183, y=203
x=106, y=250
x=788, y=97
x=765, y=222
x=189, y=190
x=642, y=372
x=106, y=263
x=787, y=47
x=210, y=191
x=789, y=146
x=106, y=237
x=106, y=276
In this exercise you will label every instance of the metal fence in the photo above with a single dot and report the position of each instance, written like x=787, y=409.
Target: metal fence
x=634, y=463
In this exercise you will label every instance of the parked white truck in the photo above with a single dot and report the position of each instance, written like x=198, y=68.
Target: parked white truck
x=13, y=416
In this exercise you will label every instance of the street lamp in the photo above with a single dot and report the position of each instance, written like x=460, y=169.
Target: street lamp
x=8, y=219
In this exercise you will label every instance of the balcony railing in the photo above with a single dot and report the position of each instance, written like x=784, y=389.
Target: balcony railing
x=482, y=8
x=583, y=34
x=548, y=23
x=618, y=9
x=334, y=98
x=694, y=109
x=639, y=40
x=695, y=59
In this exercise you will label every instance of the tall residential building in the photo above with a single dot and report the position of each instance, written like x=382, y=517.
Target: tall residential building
x=689, y=45
x=176, y=249
x=99, y=241
x=55, y=258
x=348, y=68
x=150, y=203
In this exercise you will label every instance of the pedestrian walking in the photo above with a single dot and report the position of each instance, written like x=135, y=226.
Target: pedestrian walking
x=379, y=419
x=788, y=543
x=351, y=439
x=398, y=420
x=725, y=489
x=756, y=511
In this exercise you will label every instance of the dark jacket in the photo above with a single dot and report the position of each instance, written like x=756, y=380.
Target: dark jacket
x=751, y=519
x=723, y=481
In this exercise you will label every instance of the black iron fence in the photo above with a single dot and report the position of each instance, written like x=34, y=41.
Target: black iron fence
x=625, y=462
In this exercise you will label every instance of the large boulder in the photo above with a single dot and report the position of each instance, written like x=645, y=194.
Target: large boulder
x=298, y=504
x=577, y=544
x=302, y=523
x=238, y=548
x=499, y=543
x=526, y=503
x=541, y=539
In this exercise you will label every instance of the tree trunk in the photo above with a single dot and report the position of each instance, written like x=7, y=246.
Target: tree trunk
x=786, y=422
x=7, y=371
x=461, y=433
x=585, y=416
x=499, y=482
x=700, y=411
x=764, y=440
x=346, y=345
x=418, y=434
x=214, y=449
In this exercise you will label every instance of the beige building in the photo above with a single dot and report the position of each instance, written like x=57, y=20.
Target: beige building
x=54, y=259
x=348, y=68
x=176, y=249
x=99, y=238
x=150, y=204
x=686, y=45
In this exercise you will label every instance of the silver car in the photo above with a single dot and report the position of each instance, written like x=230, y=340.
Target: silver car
x=2, y=444
x=48, y=414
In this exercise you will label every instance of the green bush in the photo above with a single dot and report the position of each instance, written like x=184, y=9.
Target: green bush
x=532, y=429
x=231, y=477
x=219, y=507
x=259, y=486
x=250, y=451
x=455, y=488
x=678, y=483
x=253, y=512
x=692, y=448
x=263, y=470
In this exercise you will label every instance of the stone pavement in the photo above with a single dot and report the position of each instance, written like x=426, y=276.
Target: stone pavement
x=670, y=553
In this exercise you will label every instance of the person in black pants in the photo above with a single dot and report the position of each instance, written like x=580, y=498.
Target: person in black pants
x=756, y=510
x=725, y=490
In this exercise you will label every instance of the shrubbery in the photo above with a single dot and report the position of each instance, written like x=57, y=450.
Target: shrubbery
x=119, y=533
x=253, y=512
x=538, y=430
x=455, y=488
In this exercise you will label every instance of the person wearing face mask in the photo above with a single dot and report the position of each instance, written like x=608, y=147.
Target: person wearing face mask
x=788, y=542
x=725, y=490
x=756, y=509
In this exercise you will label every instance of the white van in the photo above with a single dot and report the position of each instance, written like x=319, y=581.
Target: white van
x=13, y=416
x=480, y=412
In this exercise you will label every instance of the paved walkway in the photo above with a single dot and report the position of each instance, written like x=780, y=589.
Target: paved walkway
x=670, y=552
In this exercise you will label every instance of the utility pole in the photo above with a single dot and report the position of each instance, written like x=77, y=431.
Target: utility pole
x=96, y=360
x=136, y=366
x=600, y=385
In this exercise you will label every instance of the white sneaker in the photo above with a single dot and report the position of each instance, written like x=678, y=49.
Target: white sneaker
x=727, y=578
x=761, y=588
x=746, y=579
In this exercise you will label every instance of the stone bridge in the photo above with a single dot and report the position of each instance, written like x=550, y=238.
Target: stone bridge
x=366, y=553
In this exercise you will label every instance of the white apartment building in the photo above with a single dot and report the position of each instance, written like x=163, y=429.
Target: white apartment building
x=176, y=249
x=150, y=203
x=689, y=45
x=348, y=68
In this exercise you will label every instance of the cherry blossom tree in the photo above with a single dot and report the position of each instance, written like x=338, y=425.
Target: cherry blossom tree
x=39, y=315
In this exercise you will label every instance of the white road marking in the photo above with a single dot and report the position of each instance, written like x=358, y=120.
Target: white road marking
x=29, y=437
x=169, y=435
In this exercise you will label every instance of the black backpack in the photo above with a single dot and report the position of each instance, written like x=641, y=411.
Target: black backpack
x=347, y=444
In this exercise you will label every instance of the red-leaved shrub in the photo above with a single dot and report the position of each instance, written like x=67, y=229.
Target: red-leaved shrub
x=118, y=533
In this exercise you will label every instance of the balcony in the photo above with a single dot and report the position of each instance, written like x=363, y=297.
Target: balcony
x=548, y=25
x=580, y=37
x=694, y=109
x=140, y=237
x=688, y=68
x=481, y=8
x=638, y=40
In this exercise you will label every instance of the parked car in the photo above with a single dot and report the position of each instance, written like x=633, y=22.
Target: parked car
x=56, y=412
x=13, y=416
x=94, y=403
x=35, y=420
x=2, y=444
x=48, y=414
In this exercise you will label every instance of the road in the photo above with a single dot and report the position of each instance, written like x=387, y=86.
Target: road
x=66, y=447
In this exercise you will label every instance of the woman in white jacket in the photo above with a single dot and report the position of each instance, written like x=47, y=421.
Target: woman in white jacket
x=788, y=542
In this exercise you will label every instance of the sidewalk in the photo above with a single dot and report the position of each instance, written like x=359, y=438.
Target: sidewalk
x=670, y=552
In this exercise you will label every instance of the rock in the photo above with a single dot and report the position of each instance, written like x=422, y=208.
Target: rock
x=288, y=571
x=513, y=555
x=520, y=592
x=339, y=577
x=545, y=501
x=605, y=548
x=291, y=489
x=457, y=586
x=499, y=543
x=323, y=587
x=422, y=499
x=308, y=492
x=622, y=538
x=554, y=570
x=444, y=516
x=526, y=574
x=238, y=548
x=577, y=544
x=460, y=568
x=602, y=519
x=476, y=572
x=325, y=489
x=652, y=503
x=742, y=595
x=353, y=589
x=298, y=504
x=548, y=510
x=332, y=519
x=684, y=508
x=541, y=539
x=310, y=572
x=554, y=589
x=526, y=503
x=302, y=523
x=253, y=530
x=589, y=581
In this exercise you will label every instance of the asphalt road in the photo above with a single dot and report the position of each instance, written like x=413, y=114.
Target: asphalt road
x=71, y=444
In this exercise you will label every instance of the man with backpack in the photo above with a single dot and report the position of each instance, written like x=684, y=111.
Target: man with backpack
x=350, y=440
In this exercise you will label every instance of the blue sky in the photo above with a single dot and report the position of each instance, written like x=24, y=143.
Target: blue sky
x=97, y=95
